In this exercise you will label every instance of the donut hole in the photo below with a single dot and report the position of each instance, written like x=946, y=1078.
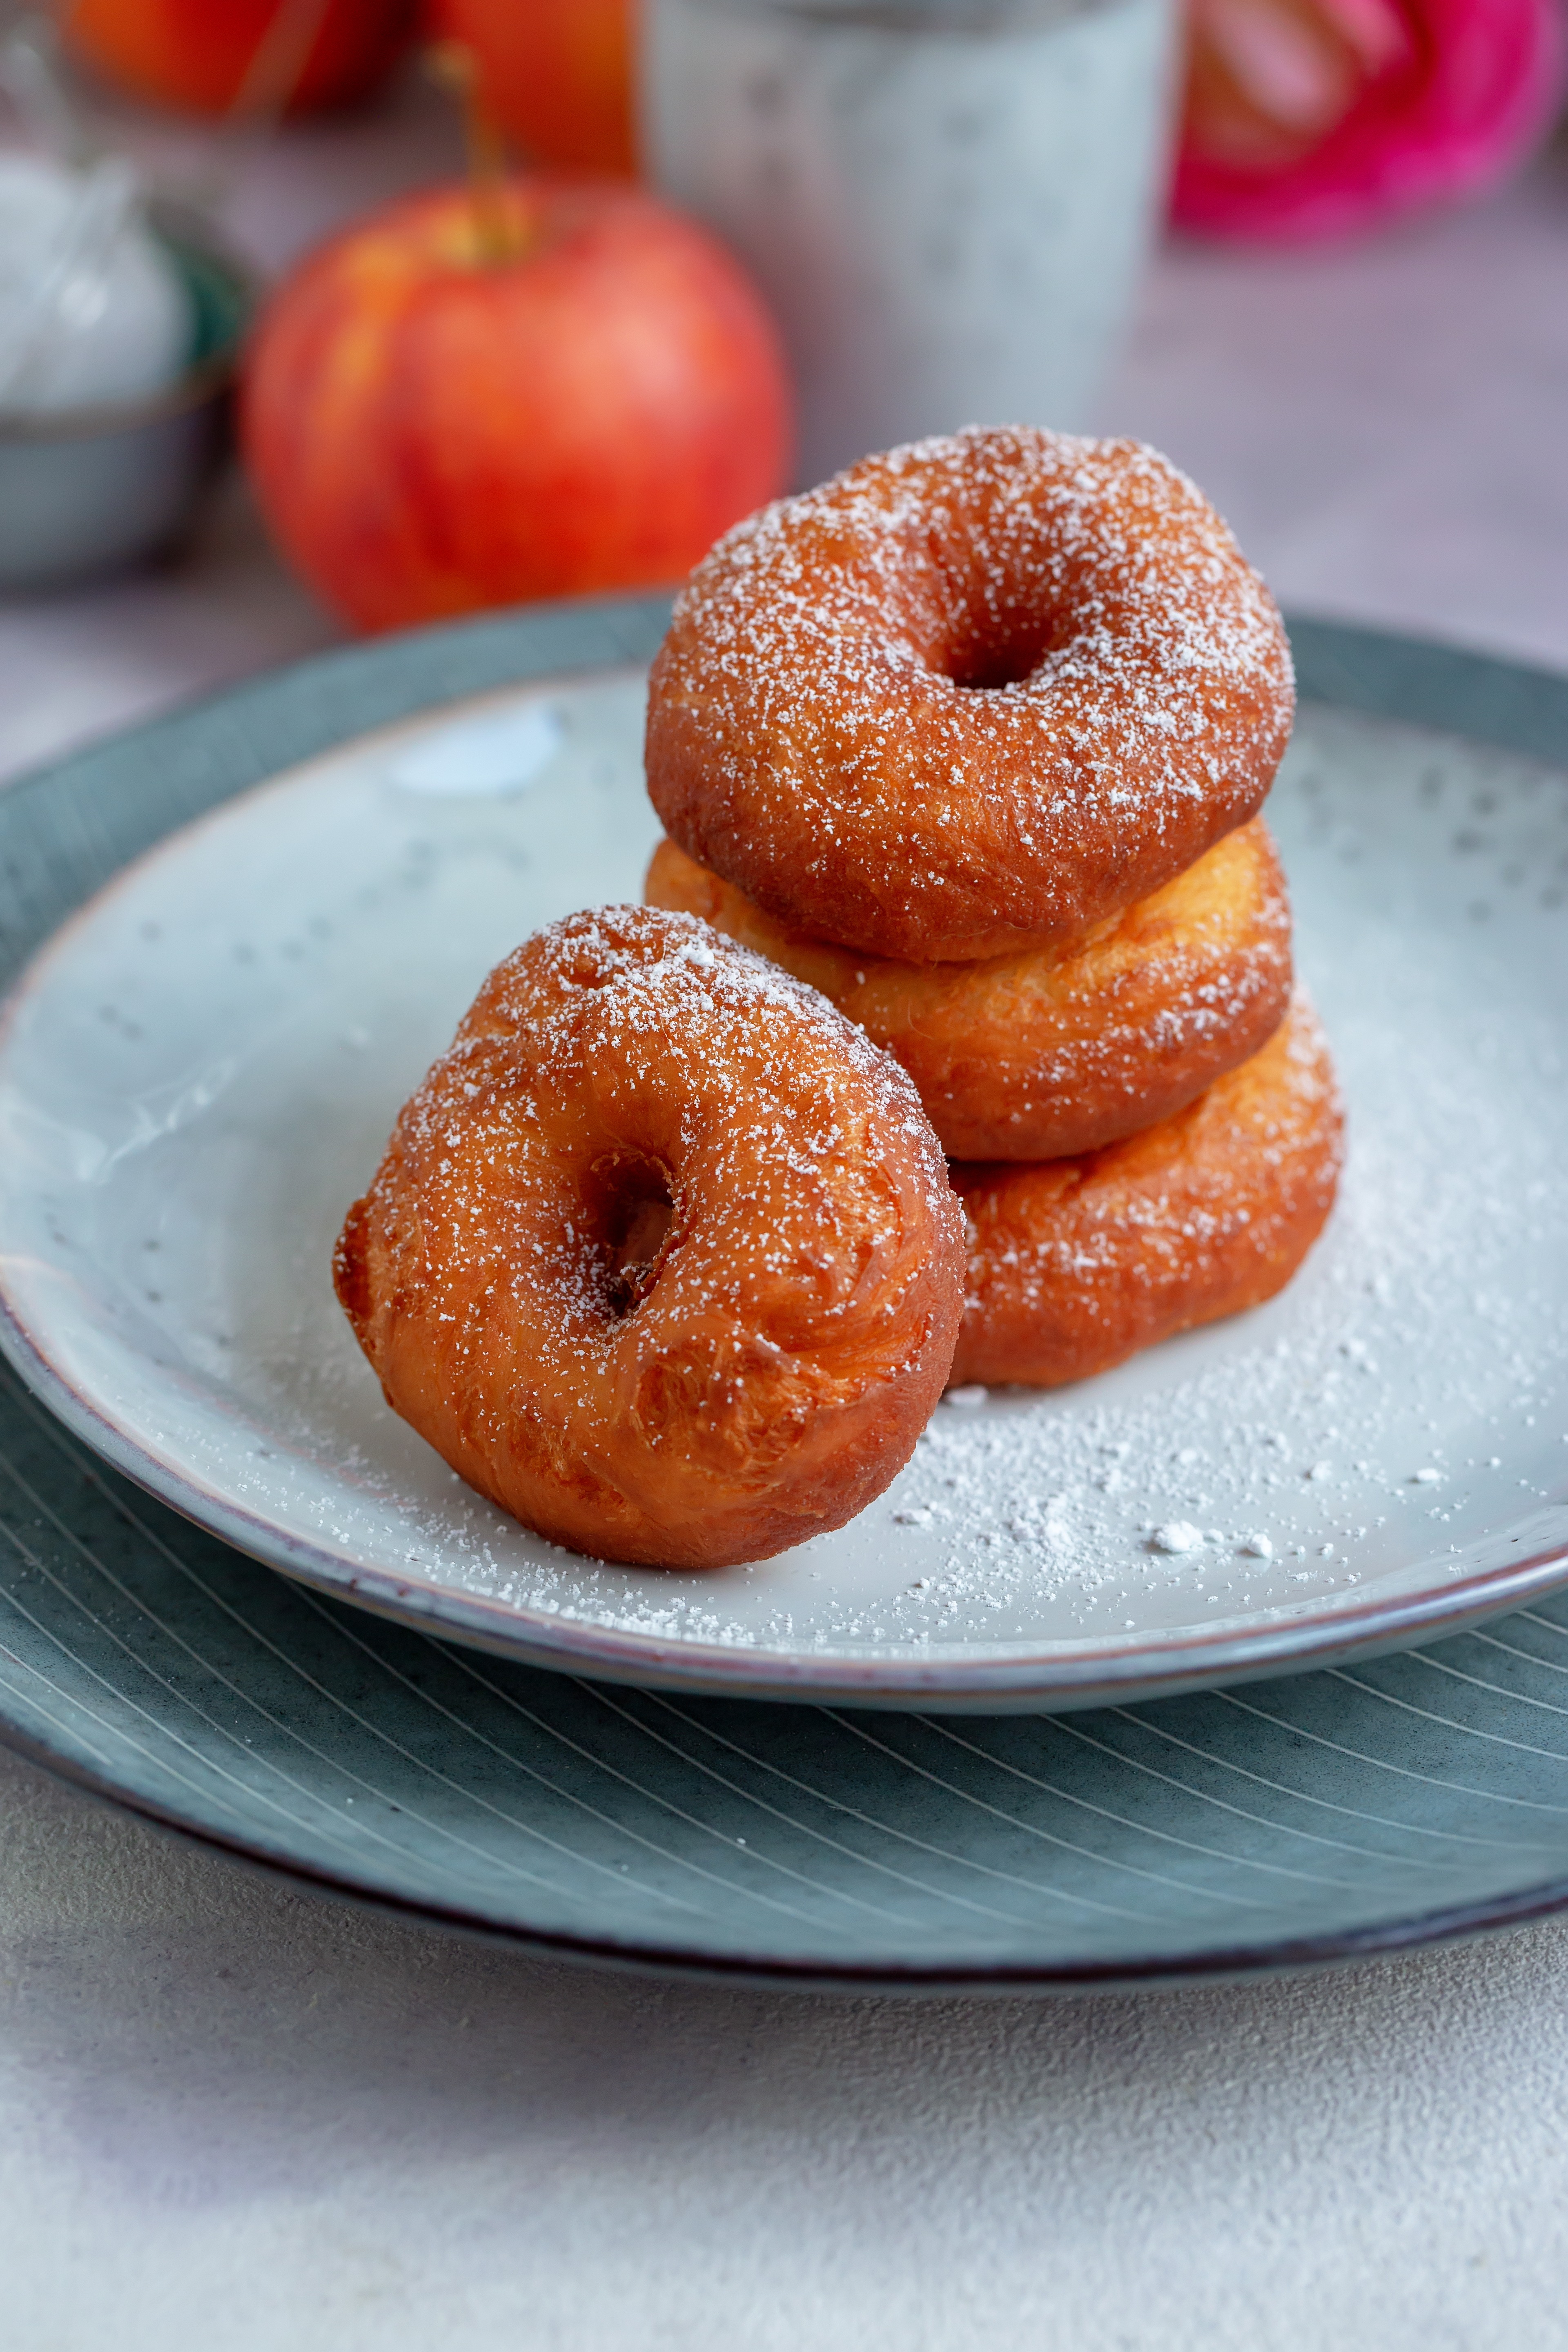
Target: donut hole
x=986, y=651
x=631, y=1217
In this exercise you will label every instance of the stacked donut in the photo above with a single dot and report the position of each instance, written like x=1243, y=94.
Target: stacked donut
x=663, y=1254
x=973, y=739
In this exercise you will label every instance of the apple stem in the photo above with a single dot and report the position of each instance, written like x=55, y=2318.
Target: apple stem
x=497, y=230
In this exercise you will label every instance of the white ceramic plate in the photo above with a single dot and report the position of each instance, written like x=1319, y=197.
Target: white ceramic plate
x=198, y=1073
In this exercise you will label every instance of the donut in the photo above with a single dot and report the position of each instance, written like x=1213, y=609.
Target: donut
x=662, y=1255
x=1075, y=1265
x=1063, y=1049
x=974, y=695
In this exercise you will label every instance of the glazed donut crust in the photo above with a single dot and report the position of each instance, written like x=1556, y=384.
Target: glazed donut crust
x=1059, y=1050
x=1076, y=1265
x=662, y=1256
x=972, y=697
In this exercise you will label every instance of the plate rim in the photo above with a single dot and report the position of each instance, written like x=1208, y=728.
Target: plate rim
x=1454, y=1923
x=1097, y=1676
x=1377, y=673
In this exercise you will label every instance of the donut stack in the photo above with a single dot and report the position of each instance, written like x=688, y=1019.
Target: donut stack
x=973, y=739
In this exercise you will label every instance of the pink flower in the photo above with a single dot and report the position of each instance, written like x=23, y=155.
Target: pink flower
x=1316, y=117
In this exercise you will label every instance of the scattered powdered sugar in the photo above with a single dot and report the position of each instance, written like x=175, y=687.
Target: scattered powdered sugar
x=1423, y=1337
x=1177, y=1536
x=1423, y=1334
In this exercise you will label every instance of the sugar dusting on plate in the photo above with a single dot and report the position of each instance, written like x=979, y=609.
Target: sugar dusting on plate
x=1396, y=1419
x=1383, y=1418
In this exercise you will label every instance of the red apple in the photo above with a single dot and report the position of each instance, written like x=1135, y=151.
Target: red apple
x=202, y=53
x=431, y=429
x=556, y=74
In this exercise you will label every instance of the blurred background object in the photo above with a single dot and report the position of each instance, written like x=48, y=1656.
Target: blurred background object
x=1322, y=395
x=1317, y=118
x=118, y=329
x=558, y=73
x=525, y=387
x=948, y=204
x=93, y=308
x=217, y=56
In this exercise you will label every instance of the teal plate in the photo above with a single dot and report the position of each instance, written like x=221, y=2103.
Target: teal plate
x=1332, y=1812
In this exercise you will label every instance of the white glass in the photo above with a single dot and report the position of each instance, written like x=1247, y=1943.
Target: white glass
x=947, y=206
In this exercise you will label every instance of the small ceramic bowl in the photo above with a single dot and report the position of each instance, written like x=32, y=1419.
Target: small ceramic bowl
x=97, y=489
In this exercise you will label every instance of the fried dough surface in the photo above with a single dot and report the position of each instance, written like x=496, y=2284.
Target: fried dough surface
x=971, y=697
x=1075, y=1265
x=662, y=1255
x=1059, y=1050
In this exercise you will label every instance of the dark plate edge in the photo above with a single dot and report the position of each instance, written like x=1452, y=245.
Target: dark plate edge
x=1430, y=683
x=289, y=714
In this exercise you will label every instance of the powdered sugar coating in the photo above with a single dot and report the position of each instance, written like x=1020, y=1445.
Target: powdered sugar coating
x=662, y=1255
x=1058, y=1050
x=971, y=696
x=1075, y=1264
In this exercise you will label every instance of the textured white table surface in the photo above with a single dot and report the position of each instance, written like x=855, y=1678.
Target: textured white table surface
x=233, y=2116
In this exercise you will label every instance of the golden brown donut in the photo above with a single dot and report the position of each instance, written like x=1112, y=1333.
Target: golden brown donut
x=972, y=697
x=1075, y=1264
x=1059, y=1049
x=662, y=1255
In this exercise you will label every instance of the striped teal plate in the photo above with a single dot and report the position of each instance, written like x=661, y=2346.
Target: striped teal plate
x=1323, y=1815
x=1342, y=1810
